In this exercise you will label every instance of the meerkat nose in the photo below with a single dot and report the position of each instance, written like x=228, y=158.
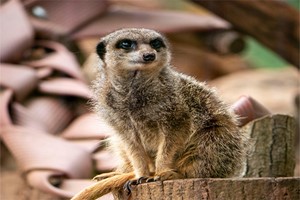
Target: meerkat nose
x=148, y=57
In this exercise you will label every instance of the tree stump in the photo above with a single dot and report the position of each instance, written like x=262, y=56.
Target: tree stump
x=271, y=155
x=220, y=189
x=273, y=148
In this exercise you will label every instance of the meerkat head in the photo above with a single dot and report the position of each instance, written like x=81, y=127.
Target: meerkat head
x=134, y=49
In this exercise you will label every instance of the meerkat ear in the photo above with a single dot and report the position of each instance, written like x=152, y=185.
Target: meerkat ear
x=100, y=49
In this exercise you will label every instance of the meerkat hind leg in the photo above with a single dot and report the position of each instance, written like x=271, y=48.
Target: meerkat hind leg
x=167, y=175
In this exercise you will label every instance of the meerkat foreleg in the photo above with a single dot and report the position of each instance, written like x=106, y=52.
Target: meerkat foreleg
x=165, y=169
x=138, y=159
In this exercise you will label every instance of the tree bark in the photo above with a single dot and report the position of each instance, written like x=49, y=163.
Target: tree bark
x=273, y=147
x=275, y=24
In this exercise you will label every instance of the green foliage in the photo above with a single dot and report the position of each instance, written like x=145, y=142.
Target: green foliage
x=260, y=56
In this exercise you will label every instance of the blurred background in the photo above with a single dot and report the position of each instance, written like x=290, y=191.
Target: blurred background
x=48, y=53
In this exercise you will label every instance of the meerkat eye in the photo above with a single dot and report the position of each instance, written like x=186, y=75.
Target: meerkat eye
x=126, y=44
x=157, y=43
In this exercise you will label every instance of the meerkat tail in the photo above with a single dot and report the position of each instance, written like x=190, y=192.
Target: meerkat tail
x=103, y=187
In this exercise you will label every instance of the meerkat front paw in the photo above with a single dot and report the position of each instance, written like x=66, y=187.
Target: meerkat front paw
x=167, y=175
x=128, y=185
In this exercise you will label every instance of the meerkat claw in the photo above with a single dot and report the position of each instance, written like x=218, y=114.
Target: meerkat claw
x=149, y=180
x=128, y=186
x=142, y=180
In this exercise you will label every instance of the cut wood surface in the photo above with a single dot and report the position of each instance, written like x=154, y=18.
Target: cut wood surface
x=273, y=23
x=220, y=189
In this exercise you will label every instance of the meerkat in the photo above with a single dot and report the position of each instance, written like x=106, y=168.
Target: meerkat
x=168, y=125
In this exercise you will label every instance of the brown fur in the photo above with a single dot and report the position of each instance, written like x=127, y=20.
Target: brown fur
x=167, y=123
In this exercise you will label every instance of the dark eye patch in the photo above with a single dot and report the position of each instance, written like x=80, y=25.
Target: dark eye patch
x=157, y=43
x=101, y=50
x=126, y=44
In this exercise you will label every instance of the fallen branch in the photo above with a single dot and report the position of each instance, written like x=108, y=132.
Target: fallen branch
x=273, y=23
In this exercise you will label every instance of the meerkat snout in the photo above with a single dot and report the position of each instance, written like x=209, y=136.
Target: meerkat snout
x=149, y=57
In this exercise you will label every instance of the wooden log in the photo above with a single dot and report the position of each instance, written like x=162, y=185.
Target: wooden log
x=273, y=151
x=272, y=155
x=224, y=41
x=274, y=23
